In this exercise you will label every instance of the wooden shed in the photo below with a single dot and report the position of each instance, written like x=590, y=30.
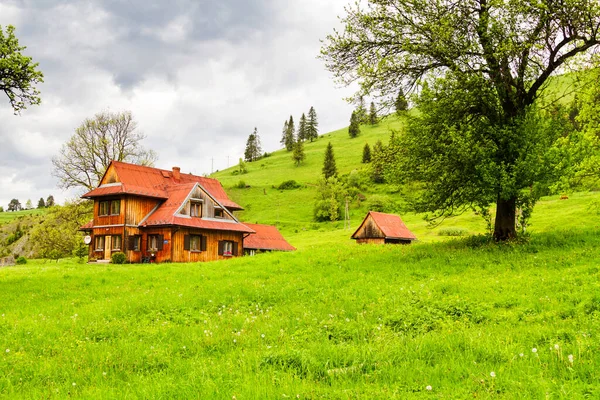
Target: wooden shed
x=380, y=228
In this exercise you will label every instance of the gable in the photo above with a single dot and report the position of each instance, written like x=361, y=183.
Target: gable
x=110, y=176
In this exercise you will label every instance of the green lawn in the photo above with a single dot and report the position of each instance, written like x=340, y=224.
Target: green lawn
x=6, y=217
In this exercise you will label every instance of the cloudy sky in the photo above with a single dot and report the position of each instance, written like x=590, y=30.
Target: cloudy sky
x=198, y=76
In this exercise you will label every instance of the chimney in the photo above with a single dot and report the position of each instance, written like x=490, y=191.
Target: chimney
x=176, y=174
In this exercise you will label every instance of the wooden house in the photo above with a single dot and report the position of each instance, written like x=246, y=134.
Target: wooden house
x=380, y=228
x=155, y=215
x=266, y=238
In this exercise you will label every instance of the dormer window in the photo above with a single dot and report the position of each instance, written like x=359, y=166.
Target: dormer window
x=195, y=209
x=218, y=213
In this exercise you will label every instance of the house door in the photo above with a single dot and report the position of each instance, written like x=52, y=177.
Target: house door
x=107, y=247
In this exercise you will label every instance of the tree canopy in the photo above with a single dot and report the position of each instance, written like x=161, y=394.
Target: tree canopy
x=329, y=167
x=253, y=148
x=108, y=136
x=489, y=61
x=18, y=73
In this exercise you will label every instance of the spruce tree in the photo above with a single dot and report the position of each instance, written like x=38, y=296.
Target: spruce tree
x=329, y=168
x=377, y=162
x=312, y=125
x=361, y=111
x=41, y=203
x=302, y=133
x=284, y=133
x=366, y=154
x=354, y=128
x=290, y=136
x=401, y=103
x=253, y=149
x=298, y=156
x=373, y=114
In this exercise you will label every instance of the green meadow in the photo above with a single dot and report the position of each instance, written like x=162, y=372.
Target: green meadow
x=6, y=217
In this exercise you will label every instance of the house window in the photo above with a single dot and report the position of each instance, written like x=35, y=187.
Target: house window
x=155, y=242
x=99, y=243
x=109, y=207
x=135, y=243
x=195, y=209
x=116, y=242
x=194, y=242
x=218, y=213
x=228, y=248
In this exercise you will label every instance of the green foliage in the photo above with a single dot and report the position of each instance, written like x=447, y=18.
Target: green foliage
x=329, y=167
x=331, y=194
x=361, y=111
x=240, y=185
x=50, y=201
x=241, y=168
x=253, y=148
x=354, y=128
x=366, y=157
x=302, y=129
x=41, y=203
x=21, y=260
x=81, y=250
x=288, y=185
x=1, y=209
x=18, y=74
x=453, y=231
x=57, y=236
x=480, y=74
x=378, y=162
x=289, y=138
x=14, y=205
x=118, y=258
x=298, y=156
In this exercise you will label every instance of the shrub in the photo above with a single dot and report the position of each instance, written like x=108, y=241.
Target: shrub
x=378, y=203
x=21, y=260
x=240, y=185
x=288, y=185
x=118, y=258
x=453, y=232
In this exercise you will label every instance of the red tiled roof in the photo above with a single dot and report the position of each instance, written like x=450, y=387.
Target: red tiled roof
x=266, y=238
x=154, y=182
x=87, y=226
x=391, y=225
x=166, y=213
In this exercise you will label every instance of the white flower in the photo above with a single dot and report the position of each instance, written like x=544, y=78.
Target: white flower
x=493, y=374
x=74, y=384
x=104, y=374
x=521, y=354
x=556, y=346
x=571, y=358
x=428, y=387
x=8, y=350
x=534, y=350
x=262, y=335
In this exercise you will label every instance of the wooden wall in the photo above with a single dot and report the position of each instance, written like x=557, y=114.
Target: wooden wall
x=208, y=205
x=371, y=241
x=110, y=176
x=109, y=219
x=212, y=242
x=369, y=230
x=136, y=208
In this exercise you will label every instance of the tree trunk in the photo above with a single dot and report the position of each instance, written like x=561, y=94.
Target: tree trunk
x=504, y=226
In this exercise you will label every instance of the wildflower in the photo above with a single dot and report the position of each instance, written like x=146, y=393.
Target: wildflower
x=262, y=335
x=520, y=354
x=428, y=387
x=493, y=374
x=556, y=347
x=74, y=384
x=8, y=350
x=104, y=373
x=534, y=350
x=571, y=358
x=234, y=341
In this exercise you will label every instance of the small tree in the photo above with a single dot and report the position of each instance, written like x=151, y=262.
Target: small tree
x=14, y=205
x=290, y=137
x=284, y=133
x=18, y=74
x=354, y=128
x=253, y=149
x=366, y=158
x=378, y=162
x=50, y=201
x=302, y=131
x=312, y=125
x=28, y=204
x=41, y=203
x=330, y=198
x=1, y=209
x=361, y=111
x=373, y=119
x=298, y=156
x=401, y=103
x=329, y=168
x=242, y=167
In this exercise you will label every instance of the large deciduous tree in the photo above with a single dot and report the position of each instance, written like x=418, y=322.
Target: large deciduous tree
x=18, y=73
x=108, y=136
x=487, y=62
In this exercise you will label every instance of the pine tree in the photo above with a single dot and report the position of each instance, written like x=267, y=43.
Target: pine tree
x=41, y=203
x=329, y=168
x=253, y=149
x=284, y=132
x=354, y=128
x=290, y=137
x=373, y=114
x=377, y=162
x=302, y=133
x=298, y=156
x=312, y=125
x=401, y=103
x=361, y=111
x=50, y=201
x=366, y=154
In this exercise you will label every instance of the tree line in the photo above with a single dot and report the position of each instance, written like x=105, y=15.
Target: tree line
x=15, y=204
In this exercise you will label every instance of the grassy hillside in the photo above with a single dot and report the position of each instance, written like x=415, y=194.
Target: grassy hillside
x=6, y=217
x=466, y=320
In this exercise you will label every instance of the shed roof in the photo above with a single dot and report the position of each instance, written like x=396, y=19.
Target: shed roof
x=391, y=225
x=267, y=237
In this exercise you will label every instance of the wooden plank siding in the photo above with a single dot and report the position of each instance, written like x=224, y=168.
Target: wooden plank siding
x=369, y=230
x=137, y=208
x=212, y=245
